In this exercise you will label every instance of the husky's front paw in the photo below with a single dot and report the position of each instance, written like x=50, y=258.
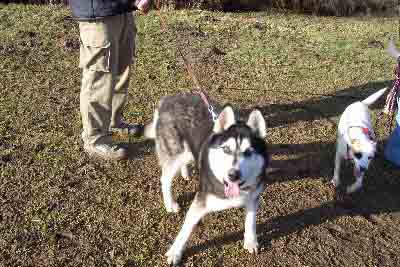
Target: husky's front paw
x=173, y=257
x=251, y=246
x=173, y=208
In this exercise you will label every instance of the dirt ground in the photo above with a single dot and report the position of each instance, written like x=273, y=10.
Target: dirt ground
x=58, y=207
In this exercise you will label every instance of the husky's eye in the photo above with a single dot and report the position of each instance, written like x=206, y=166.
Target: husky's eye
x=227, y=150
x=247, y=152
x=358, y=155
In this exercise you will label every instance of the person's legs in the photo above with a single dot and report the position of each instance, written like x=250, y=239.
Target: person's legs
x=98, y=60
x=123, y=71
x=123, y=68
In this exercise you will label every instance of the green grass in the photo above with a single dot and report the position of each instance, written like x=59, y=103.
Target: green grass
x=59, y=207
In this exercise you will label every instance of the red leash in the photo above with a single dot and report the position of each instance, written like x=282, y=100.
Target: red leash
x=391, y=105
x=189, y=68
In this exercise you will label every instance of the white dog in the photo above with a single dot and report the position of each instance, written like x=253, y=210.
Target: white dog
x=356, y=140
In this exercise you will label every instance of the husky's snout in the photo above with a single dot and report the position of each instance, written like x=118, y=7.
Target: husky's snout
x=234, y=175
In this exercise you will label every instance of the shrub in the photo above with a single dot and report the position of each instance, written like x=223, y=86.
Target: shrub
x=319, y=7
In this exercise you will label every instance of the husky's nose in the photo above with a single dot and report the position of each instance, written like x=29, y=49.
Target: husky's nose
x=234, y=175
x=363, y=169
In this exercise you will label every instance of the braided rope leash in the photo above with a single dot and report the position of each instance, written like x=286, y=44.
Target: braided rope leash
x=391, y=105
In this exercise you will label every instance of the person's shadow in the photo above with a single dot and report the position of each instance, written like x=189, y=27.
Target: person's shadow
x=318, y=106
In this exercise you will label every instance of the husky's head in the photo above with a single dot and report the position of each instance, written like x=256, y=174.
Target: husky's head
x=237, y=154
x=362, y=148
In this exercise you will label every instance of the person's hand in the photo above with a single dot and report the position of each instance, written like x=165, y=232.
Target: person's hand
x=143, y=5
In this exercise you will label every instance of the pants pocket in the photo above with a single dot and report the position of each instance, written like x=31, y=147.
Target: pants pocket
x=95, y=47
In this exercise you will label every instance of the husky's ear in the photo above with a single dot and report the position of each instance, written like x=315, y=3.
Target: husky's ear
x=257, y=123
x=225, y=119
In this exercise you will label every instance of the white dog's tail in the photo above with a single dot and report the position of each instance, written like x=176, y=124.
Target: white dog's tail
x=372, y=98
x=150, y=129
x=392, y=50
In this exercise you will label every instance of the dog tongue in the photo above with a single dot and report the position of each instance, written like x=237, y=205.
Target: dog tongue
x=231, y=189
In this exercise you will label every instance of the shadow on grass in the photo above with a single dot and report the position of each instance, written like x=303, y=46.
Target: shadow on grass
x=317, y=107
x=139, y=148
x=313, y=160
x=366, y=203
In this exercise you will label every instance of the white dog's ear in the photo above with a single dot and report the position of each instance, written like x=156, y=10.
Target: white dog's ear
x=257, y=123
x=225, y=119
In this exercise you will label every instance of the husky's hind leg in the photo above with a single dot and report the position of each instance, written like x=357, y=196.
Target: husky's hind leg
x=169, y=169
x=186, y=160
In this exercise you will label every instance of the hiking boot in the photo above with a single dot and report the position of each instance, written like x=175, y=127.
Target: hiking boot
x=127, y=129
x=106, y=151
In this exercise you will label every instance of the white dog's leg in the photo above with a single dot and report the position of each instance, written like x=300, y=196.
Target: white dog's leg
x=193, y=216
x=250, y=235
x=187, y=159
x=338, y=160
x=356, y=185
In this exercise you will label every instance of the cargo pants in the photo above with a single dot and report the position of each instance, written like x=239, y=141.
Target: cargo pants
x=107, y=50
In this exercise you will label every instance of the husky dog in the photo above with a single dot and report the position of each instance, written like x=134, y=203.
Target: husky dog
x=356, y=140
x=231, y=157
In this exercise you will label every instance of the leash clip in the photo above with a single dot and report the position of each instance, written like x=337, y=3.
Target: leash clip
x=213, y=114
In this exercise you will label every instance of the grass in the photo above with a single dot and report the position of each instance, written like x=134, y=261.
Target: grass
x=62, y=208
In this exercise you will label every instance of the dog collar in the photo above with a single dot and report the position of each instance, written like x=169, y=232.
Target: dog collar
x=367, y=131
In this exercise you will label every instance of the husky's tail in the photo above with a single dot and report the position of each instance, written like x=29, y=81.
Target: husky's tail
x=372, y=98
x=392, y=50
x=150, y=129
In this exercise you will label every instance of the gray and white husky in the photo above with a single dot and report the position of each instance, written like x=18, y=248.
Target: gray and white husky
x=231, y=157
